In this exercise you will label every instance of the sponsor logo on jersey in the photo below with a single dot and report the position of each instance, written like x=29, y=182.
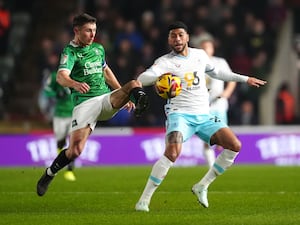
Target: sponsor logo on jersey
x=96, y=51
x=92, y=67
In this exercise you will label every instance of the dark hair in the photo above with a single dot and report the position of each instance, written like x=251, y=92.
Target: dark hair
x=82, y=19
x=176, y=25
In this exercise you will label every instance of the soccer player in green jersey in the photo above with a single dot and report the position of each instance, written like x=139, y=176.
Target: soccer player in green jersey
x=84, y=70
x=62, y=116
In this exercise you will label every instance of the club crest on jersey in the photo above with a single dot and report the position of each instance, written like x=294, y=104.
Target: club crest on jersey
x=96, y=51
x=64, y=59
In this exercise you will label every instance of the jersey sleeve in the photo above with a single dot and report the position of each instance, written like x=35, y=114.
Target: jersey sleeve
x=149, y=77
x=225, y=65
x=67, y=59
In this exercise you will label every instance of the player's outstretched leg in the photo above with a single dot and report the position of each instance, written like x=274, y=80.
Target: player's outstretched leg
x=59, y=162
x=142, y=206
x=201, y=193
x=224, y=160
x=158, y=173
x=142, y=103
x=43, y=183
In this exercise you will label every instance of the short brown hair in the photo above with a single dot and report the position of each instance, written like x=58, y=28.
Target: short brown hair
x=82, y=19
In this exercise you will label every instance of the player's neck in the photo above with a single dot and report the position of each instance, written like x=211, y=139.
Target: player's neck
x=78, y=42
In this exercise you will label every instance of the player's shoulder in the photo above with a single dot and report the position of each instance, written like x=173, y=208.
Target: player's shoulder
x=97, y=45
x=164, y=58
x=219, y=60
x=69, y=48
x=197, y=51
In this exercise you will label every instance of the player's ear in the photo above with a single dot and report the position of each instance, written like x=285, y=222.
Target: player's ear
x=75, y=30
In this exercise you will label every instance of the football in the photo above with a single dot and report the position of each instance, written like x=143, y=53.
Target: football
x=168, y=86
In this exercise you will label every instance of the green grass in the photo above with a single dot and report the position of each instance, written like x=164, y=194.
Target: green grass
x=244, y=195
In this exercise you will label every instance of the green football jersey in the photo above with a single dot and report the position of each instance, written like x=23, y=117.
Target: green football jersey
x=63, y=101
x=86, y=65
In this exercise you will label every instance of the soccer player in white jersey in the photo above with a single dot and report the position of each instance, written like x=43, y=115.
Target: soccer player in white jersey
x=219, y=91
x=188, y=113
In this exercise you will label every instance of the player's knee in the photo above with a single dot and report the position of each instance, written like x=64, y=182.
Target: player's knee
x=175, y=137
x=134, y=83
x=236, y=145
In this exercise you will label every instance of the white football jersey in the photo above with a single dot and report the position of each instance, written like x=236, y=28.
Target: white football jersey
x=194, y=97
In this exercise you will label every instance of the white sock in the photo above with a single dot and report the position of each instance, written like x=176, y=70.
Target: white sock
x=158, y=173
x=224, y=160
x=209, y=155
x=49, y=172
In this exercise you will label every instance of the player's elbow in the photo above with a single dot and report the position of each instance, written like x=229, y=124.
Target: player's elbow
x=146, y=79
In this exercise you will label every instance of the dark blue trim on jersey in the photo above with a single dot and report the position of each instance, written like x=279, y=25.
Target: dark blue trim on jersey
x=207, y=71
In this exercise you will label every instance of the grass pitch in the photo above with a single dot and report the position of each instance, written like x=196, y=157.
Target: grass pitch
x=244, y=195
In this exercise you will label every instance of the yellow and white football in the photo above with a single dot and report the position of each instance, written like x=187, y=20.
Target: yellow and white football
x=168, y=85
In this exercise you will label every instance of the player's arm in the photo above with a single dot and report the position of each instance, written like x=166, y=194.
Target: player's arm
x=231, y=76
x=147, y=78
x=230, y=86
x=110, y=78
x=112, y=81
x=64, y=79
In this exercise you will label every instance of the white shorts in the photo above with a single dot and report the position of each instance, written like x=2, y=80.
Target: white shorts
x=61, y=127
x=92, y=110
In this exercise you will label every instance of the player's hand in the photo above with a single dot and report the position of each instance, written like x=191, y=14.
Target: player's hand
x=129, y=106
x=252, y=81
x=82, y=87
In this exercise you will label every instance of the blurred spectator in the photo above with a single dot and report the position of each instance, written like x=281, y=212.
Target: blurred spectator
x=276, y=13
x=247, y=115
x=229, y=38
x=121, y=62
x=259, y=39
x=240, y=61
x=186, y=12
x=215, y=12
x=46, y=105
x=131, y=34
x=201, y=19
x=285, y=105
x=4, y=26
x=260, y=65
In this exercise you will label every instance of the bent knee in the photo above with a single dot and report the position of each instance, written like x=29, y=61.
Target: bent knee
x=236, y=146
x=134, y=83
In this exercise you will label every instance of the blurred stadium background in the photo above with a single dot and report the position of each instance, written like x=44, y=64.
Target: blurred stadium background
x=259, y=37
